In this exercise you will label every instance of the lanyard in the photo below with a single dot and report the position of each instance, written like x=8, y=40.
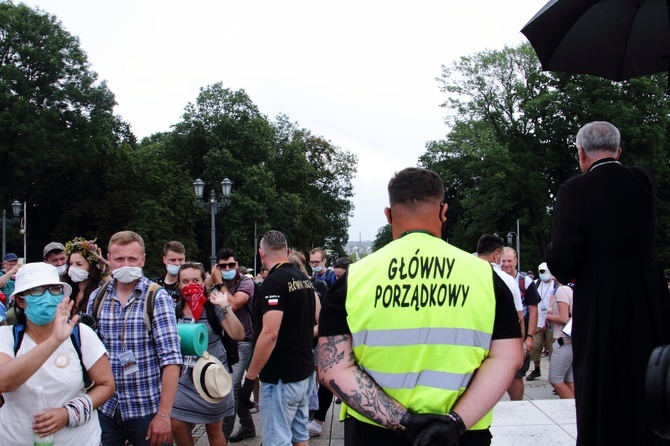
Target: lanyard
x=125, y=319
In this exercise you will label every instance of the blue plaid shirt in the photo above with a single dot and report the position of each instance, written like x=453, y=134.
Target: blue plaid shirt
x=137, y=394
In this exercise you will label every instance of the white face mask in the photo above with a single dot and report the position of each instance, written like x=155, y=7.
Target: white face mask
x=77, y=274
x=127, y=274
x=61, y=269
x=545, y=277
x=172, y=270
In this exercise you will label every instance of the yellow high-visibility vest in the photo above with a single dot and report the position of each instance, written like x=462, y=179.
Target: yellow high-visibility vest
x=421, y=316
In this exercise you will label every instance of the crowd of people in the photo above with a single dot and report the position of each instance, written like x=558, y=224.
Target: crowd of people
x=417, y=341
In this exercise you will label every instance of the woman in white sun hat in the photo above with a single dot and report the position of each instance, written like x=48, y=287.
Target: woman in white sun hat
x=46, y=357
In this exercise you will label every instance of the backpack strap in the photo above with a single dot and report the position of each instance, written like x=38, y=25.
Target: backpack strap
x=97, y=304
x=149, y=303
x=19, y=330
x=75, y=337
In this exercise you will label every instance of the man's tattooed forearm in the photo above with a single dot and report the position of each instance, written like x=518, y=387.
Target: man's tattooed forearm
x=370, y=400
x=328, y=352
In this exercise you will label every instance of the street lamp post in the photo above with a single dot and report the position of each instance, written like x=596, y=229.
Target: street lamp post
x=511, y=236
x=213, y=206
x=16, y=217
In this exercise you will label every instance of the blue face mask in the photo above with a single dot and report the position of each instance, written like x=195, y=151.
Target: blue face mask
x=172, y=270
x=42, y=309
x=317, y=269
x=229, y=274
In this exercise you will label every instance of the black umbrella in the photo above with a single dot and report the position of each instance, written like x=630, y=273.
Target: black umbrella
x=614, y=39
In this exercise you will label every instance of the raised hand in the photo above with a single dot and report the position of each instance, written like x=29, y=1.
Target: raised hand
x=63, y=325
x=218, y=298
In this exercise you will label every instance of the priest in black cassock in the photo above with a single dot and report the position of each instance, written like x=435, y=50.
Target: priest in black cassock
x=604, y=238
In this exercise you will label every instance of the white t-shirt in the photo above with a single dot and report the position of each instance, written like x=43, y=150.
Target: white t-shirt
x=511, y=284
x=61, y=383
x=545, y=290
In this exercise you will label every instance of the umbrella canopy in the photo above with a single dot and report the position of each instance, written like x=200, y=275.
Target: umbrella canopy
x=614, y=39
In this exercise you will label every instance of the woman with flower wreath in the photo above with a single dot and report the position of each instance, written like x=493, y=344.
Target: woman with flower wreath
x=86, y=270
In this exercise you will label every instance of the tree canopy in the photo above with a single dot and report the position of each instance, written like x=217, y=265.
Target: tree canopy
x=511, y=142
x=82, y=172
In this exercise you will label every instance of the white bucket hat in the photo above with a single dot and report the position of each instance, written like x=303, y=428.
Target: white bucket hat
x=211, y=379
x=35, y=274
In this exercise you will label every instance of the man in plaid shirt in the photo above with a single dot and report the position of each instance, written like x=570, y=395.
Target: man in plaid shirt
x=146, y=365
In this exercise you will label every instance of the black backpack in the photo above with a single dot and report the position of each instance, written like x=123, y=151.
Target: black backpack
x=232, y=352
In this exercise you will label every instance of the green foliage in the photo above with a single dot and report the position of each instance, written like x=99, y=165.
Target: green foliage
x=511, y=142
x=56, y=127
x=284, y=177
x=384, y=237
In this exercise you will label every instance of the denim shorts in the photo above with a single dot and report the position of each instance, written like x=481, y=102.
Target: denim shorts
x=285, y=412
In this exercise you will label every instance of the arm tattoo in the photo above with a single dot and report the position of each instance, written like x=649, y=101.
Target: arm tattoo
x=328, y=352
x=371, y=401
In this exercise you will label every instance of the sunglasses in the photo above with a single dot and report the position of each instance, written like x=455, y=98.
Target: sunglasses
x=230, y=265
x=39, y=290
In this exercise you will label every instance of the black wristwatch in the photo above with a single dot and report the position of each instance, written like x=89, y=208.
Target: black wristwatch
x=402, y=425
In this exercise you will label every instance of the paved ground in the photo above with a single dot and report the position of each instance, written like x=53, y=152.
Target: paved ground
x=539, y=389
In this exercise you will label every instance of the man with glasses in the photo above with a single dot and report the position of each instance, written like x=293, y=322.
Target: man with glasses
x=146, y=364
x=240, y=296
x=318, y=260
x=604, y=237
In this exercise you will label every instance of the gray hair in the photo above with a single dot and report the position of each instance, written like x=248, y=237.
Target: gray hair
x=274, y=241
x=598, y=135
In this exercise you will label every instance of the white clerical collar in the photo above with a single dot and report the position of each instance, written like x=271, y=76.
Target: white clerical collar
x=602, y=162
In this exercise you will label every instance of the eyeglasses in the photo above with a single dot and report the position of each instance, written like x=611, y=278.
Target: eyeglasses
x=39, y=290
x=230, y=265
x=315, y=262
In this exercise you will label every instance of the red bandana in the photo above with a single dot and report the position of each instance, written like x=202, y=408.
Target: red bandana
x=194, y=294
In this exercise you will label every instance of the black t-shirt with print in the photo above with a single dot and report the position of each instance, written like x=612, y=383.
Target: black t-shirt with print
x=288, y=290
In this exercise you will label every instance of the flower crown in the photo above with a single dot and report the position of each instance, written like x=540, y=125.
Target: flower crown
x=88, y=250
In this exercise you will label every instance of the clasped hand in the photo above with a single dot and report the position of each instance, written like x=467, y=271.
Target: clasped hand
x=431, y=429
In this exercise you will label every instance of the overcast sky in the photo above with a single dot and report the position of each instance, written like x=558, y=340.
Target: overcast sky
x=360, y=73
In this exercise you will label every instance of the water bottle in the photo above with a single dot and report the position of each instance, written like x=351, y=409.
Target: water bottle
x=42, y=406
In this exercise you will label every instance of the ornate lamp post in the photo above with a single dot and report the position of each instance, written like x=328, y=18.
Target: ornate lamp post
x=213, y=206
x=511, y=236
x=16, y=218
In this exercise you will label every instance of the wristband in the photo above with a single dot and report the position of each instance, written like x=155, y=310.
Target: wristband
x=530, y=336
x=79, y=410
x=456, y=418
x=162, y=415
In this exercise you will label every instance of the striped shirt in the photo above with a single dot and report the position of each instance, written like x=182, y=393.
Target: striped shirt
x=122, y=328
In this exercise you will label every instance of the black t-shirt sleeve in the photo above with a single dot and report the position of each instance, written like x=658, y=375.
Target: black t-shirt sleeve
x=506, y=324
x=532, y=297
x=333, y=316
